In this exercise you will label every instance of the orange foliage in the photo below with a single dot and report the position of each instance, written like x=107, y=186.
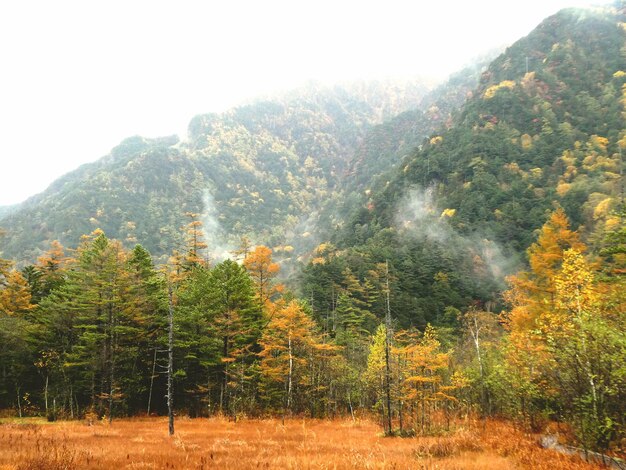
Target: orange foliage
x=262, y=270
x=546, y=256
x=532, y=297
x=15, y=297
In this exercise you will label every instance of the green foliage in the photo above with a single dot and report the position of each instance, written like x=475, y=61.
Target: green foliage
x=426, y=211
x=261, y=170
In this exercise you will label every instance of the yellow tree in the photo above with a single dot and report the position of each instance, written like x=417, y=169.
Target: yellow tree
x=259, y=265
x=546, y=255
x=289, y=344
x=5, y=265
x=195, y=244
x=532, y=298
x=422, y=382
x=54, y=259
x=15, y=352
x=15, y=296
x=572, y=334
x=51, y=268
x=381, y=375
x=532, y=293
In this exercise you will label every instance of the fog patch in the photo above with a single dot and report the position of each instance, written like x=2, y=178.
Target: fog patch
x=420, y=217
x=219, y=247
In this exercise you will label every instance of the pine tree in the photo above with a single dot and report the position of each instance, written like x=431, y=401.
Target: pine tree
x=238, y=321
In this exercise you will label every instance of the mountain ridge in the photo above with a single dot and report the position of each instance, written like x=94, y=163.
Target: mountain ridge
x=296, y=147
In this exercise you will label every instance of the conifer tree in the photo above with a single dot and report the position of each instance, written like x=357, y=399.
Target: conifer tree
x=263, y=272
x=288, y=345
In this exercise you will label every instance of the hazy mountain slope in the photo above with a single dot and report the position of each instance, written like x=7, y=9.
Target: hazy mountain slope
x=5, y=210
x=526, y=140
x=461, y=209
x=255, y=170
x=386, y=145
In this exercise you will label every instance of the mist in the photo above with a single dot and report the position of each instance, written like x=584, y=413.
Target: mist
x=420, y=217
x=219, y=246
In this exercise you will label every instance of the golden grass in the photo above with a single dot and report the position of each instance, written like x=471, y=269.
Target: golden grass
x=143, y=443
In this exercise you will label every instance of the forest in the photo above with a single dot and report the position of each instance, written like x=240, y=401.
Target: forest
x=87, y=334
x=414, y=258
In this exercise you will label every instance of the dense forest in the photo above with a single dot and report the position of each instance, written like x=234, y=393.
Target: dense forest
x=472, y=256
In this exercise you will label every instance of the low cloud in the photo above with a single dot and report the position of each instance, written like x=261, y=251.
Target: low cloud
x=419, y=216
x=219, y=247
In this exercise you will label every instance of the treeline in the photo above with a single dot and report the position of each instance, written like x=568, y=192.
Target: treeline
x=86, y=335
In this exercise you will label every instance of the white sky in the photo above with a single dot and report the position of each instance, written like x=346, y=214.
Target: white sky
x=77, y=77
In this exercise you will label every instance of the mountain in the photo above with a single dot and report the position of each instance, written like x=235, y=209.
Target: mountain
x=261, y=170
x=5, y=210
x=544, y=128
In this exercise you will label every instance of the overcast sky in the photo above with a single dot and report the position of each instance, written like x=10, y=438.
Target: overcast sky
x=77, y=77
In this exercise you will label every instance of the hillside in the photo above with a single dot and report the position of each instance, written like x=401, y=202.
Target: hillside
x=258, y=170
x=462, y=210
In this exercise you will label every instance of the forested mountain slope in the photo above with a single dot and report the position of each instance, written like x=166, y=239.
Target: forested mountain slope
x=544, y=128
x=279, y=171
x=254, y=170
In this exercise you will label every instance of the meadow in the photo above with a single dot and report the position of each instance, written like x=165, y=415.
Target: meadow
x=142, y=443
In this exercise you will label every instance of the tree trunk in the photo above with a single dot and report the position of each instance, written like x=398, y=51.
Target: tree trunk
x=45, y=394
x=152, y=380
x=111, y=361
x=388, y=353
x=19, y=403
x=290, y=377
x=170, y=364
x=225, y=353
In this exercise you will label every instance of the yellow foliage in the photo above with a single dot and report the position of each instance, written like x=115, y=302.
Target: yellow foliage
x=492, y=90
x=436, y=140
x=598, y=143
x=15, y=296
x=569, y=160
x=575, y=290
x=602, y=208
x=612, y=223
x=619, y=74
x=448, y=213
x=528, y=81
x=526, y=141
x=323, y=247
x=563, y=188
x=262, y=270
x=513, y=168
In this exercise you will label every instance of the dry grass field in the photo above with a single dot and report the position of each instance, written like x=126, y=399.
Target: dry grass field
x=215, y=443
